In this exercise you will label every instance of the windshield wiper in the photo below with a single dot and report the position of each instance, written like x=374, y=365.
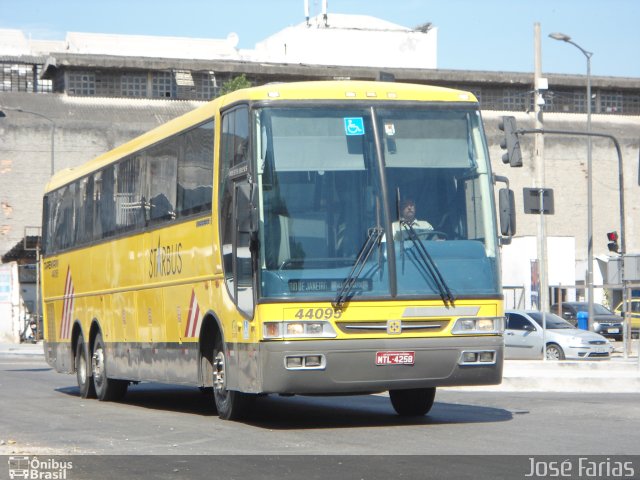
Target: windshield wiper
x=430, y=264
x=374, y=236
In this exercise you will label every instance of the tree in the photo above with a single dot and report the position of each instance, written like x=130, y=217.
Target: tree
x=236, y=83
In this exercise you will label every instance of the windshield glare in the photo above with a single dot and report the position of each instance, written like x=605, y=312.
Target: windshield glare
x=321, y=196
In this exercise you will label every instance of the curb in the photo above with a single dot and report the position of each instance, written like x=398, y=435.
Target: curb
x=612, y=376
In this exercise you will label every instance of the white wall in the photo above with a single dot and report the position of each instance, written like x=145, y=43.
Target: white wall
x=516, y=266
x=10, y=305
x=351, y=40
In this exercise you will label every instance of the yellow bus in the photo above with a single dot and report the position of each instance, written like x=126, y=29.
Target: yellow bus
x=259, y=244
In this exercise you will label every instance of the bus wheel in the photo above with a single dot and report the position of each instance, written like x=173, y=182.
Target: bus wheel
x=107, y=389
x=83, y=372
x=231, y=405
x=412, y=403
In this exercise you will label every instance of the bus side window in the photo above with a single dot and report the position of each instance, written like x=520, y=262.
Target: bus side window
x=65, y=218
x=97, y=196
x=85, y=210
x=129, y=208
x=162, y=165
x=195, y=171
x=106, y=204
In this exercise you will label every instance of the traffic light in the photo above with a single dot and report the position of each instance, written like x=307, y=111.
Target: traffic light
x=613, y=241
x=511, y=142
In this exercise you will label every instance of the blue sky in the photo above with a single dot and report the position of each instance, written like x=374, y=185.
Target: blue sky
x=473, y=34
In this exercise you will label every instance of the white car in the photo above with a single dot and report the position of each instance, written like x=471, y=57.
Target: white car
x=523, y=338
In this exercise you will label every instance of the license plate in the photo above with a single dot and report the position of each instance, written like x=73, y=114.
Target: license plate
x=600, y=350
x=613, y=330
x=395, y=358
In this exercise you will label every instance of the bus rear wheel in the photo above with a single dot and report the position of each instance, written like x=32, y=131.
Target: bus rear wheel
x=414, y=402
x=83, y=370
x=107, y=389
x=231, y=405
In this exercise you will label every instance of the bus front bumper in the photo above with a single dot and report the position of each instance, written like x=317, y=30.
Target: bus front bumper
x=362, y=366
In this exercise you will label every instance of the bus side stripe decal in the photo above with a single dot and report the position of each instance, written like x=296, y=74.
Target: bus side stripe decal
x=196, y=321
x=67, y=306
x=67, y=318
x=64, y=307
x=187, y=331
x=193, y=322
x=72, y=300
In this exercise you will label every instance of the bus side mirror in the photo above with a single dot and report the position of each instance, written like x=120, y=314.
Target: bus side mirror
x=507, y=210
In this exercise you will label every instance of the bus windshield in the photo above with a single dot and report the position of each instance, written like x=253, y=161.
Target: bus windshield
x=338, y=184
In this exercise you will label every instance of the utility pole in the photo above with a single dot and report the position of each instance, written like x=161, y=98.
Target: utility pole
x=540, y=84
x=538, y=161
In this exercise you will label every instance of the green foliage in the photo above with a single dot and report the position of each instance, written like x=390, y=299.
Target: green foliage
x=236, y=83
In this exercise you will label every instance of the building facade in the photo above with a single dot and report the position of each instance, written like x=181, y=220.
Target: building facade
x=69, y=101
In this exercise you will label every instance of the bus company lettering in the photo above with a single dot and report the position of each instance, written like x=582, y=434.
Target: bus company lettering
x=165, y=260
x=51, y=264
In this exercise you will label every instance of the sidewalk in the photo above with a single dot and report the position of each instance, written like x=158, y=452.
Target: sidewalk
x=34, y=349
x=616, y=375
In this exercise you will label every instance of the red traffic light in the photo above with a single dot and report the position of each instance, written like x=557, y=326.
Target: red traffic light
x=613, y=241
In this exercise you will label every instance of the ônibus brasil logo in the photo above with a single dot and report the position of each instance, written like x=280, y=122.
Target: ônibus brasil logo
x=36, y=469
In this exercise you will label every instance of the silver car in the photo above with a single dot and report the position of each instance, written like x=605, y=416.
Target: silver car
x=523, y=338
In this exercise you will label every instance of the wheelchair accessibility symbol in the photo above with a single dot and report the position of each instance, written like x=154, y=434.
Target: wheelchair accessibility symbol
x=353, y=126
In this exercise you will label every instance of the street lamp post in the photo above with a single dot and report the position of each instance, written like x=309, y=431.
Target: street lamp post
x=566, y=38
x=53, y=131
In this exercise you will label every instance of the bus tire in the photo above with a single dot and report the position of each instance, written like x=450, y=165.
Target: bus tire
x=230, y=404
x=107, y=389
x=83, y=370
x=414, y=402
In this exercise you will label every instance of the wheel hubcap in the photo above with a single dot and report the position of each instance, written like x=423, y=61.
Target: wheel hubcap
x=97, y=364
x=218, y=372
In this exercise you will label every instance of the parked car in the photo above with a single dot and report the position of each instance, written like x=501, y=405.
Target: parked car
x=634, y=315
x=605, y=322
x=523, y=338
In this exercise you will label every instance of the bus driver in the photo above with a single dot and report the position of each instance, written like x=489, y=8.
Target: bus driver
x=408, y=219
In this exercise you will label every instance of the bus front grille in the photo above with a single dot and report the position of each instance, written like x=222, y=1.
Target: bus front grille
x=384, y=326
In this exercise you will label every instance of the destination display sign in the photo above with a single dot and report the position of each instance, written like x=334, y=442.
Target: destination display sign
x=326, y=285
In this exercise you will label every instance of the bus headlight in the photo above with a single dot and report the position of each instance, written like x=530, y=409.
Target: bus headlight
x=486, y=325
x=296, y=329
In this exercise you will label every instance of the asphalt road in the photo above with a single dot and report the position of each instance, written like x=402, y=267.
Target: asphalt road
x=41, y=409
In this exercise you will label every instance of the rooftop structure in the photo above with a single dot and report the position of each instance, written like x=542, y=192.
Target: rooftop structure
x=351, y=40
x=323, y=47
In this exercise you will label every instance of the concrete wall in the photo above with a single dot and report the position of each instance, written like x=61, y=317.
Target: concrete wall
x=566, y=173
x=85, y=128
